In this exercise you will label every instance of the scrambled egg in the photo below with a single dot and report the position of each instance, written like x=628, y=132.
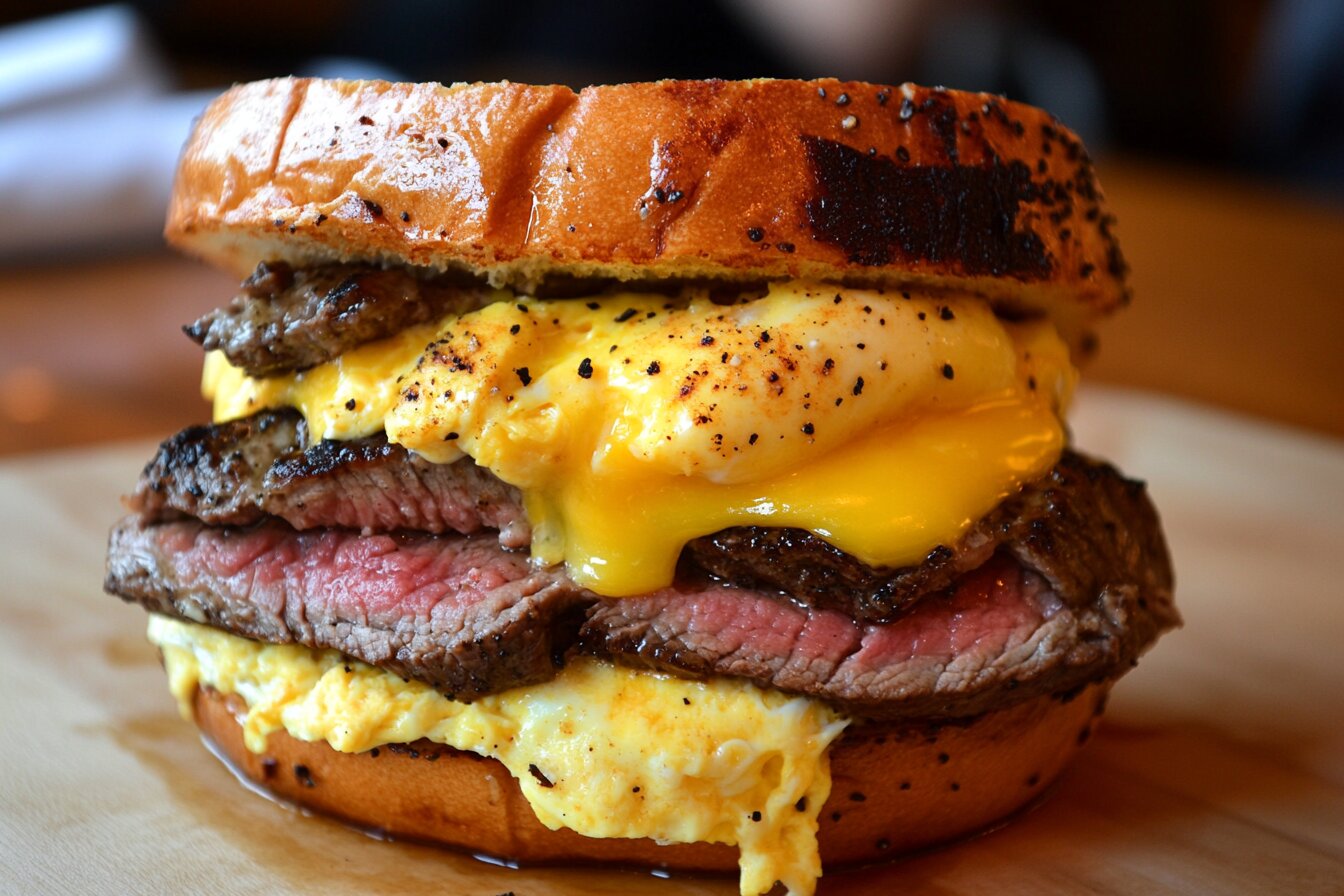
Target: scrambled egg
x=629, y=754
x=884, y=422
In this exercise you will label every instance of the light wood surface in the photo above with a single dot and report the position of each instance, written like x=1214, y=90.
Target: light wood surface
x=1238, y=302
x=1219, y=767
x=1238, y=296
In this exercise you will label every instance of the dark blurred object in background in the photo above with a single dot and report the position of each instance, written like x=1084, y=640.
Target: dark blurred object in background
x=1257, y=84
x=1253, y=84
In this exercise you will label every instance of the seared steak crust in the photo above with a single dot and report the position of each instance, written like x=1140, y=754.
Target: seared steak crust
x=815, y=573
x=1000, y=635
x=1083, y=526
x=1088, y=530
x=285, y=319
x=460, y=614
x=216, y=472
x=241, y=472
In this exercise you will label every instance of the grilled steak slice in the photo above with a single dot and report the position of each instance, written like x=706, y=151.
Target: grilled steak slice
x=215, y=472
x=956, y=655
x=240, y=472
x=284, y=319
x=1086, y=529
x=458, y=613
x=815, y=573
x=373, y=485
x=1082, y=526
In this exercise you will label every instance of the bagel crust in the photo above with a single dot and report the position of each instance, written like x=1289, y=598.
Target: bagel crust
x=740, y=181
x=896, y=788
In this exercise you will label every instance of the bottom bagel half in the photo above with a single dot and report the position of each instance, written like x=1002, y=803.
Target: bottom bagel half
x=895, y=787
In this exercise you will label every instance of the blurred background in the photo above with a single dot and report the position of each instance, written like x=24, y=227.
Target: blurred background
x=1219, y=129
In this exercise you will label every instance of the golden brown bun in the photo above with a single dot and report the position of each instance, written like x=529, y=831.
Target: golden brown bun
x=747, y=180
x=896, y=788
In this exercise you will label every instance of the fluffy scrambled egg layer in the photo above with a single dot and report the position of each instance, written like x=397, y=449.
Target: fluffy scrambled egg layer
x=628, y=754
x=884, y=422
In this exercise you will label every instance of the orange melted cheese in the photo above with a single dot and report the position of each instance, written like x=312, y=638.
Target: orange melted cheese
x=887, y=425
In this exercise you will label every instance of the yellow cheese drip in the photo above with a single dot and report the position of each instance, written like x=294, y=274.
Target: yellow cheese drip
x=886, y=499
x=885, y=424
x=628, y=753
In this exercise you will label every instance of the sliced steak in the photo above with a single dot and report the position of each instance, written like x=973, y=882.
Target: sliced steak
x=1082, y=526
x=1086, y=529
x=373, y=485
x=215, y=472
x=1001, y=635
x=815, y=573
x=458, y=613
x=470, y=618
x=284, y=319
x=239, y=473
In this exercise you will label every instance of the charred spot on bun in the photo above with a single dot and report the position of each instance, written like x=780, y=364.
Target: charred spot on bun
x=689, y=456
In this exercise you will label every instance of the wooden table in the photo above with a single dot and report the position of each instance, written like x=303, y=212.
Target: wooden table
x=1237, y=302
x=1219, y=769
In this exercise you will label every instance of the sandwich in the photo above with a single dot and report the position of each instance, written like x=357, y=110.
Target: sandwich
x=668, y=474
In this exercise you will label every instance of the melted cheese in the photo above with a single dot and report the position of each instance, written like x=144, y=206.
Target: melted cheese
x=629, y=754
x=887, y=425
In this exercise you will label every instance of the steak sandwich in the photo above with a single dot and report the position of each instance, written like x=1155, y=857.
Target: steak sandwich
x=669, y=474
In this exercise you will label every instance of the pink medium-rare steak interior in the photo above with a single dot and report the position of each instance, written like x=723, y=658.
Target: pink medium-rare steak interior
x=459, y=613
x=470, y=618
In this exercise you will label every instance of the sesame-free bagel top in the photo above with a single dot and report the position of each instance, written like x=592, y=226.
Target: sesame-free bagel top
x=738, y=181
